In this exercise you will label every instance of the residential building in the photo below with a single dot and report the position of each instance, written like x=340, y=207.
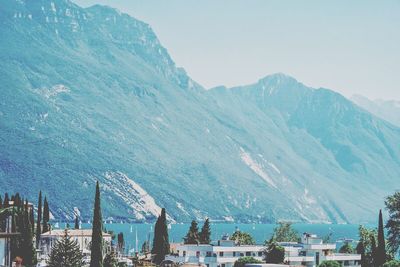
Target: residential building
x=312, y=251
x=223, y=253
x=5, y=243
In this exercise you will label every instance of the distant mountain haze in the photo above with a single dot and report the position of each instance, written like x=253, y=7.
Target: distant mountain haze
x=90, y=94
x=386, y=109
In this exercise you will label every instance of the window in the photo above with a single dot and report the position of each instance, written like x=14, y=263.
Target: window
x=197, y=254
x=241, y=254
x=260, y=254
x=223, y=265
x=221, y=254
x=234, y=254
x=208, y=254
x=184, y=253
x=248, y=253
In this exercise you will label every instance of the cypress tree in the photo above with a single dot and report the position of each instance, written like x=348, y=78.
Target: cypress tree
x=39, y=220
x=374, y=251
x=2, y=218
x=381, y=249
x=28, y=251
x=6, y=202
x=96, y=257
x=32, y=220
x=46, y=216
x=121, y=242
x=76, y=222
x=205, y=234
x=161, y=239
x=192, y=237
x=65, y=253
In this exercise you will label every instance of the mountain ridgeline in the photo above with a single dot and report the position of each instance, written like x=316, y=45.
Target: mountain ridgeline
x=90, y=94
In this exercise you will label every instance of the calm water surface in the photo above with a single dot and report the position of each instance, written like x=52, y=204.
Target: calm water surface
x=260, y=232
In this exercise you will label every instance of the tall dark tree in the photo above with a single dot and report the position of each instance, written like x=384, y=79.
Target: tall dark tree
x=192, y=236
x=39, y=220
x=161, y=239
x=205, y=233
x=28, y=251
x=96, y=257
x=32, y=220
x=374, y=252
x=274, y=253
x=46, y=216
x=66, y=253
x=121, y=242
x=2, y=217
x=6, y=202
x=381, y=250
x=360, y=249
x=76, y=222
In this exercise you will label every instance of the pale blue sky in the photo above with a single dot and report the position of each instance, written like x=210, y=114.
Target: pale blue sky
x=352, y=47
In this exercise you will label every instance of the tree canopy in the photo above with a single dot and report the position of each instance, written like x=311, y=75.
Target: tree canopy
x=393, y=224
x=205, y=233
x=192, y=236
x=285, y=233
x=242, y=238
x=346, y=248
x=274, y=253
x=65, y=253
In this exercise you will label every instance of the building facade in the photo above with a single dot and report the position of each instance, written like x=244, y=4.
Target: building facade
x=310, y=252
x=83, y=237
x=223, y=253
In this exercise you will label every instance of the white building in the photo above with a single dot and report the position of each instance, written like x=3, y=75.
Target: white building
x=310, y=253
x=82, y=236
x=5, y=253
x=5, y=244
x=224, y=253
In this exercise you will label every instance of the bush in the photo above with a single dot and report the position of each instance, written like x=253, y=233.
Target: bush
x=347, y=248
x=245, y=260
x=392, y=263
x=330, y=264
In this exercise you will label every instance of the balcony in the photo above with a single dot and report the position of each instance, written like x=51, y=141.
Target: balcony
x=319, y=246
x=299, y=259
x=343, y=257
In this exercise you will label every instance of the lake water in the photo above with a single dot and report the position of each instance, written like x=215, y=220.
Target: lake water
x=260, y=232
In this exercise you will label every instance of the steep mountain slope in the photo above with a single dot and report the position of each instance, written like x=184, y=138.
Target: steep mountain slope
x=90, y=94
x=386, y=109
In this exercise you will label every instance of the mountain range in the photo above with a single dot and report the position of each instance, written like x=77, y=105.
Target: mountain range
x=386, y=109
x=90, y=94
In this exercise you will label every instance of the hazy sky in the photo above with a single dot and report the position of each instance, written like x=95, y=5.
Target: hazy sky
x=352, y=47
